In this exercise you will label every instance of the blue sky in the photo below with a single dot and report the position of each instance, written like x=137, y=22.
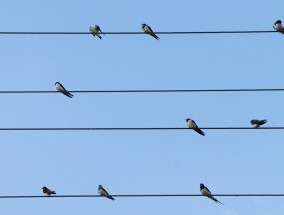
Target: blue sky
x=141, y=162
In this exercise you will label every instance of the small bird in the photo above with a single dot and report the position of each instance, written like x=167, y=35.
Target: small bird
x=206, y=192
x=104, y=193
x=148, y=30
x=47, y=191
x=278, y=26
x=59, y=87
x=191, y=124
x=256, y=123
x=95, y=30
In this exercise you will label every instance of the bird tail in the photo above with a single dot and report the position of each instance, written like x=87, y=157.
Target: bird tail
x=263, y=121
x=70, y=95
x=110, y=197
x=199, y=131
x=155, y=36
x=99, y=36
x=221, y=203
x=215, y=200
x=103, y=33
x=53, y=192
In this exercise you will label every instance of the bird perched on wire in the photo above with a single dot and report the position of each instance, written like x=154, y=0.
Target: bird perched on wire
x=95, y=30
x=147, y=29
x=47, y=191
x=59, y=87
x=278, y=26
x=104, y=193
x=257, y=123
x=191, y=124
x=206, y=192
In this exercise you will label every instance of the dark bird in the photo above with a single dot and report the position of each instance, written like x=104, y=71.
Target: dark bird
x=47, y=191
x=256, y=123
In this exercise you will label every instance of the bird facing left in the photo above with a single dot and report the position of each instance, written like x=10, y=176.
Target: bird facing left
x=47, y=191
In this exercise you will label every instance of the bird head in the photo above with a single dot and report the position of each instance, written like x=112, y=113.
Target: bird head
x=100, y=186
x=56, y=83
x=44, y=188
x=187, y=119
x=202, y=186
x=278, y=22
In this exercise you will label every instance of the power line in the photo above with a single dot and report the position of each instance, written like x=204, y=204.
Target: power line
x=143, y=195
x=133, y=128
x=168, y=32
x=143, y=91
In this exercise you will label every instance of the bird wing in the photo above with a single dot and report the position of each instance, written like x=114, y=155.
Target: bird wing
x=193, y=124
x=150, y=29
x=105, y=191
x=207, y=190
x=263, y=121
x=63, y=87
x=254, y=121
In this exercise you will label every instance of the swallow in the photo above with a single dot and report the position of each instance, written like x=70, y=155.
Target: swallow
x=47, y=191
x=206, y=192
x=59, y=87
x=148, y=30
x=104, y=193
x=278, y=26
x=256, y=123
x=191, y=124
x=95, y=30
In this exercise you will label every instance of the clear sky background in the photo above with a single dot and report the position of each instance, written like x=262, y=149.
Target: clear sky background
x=141, y=162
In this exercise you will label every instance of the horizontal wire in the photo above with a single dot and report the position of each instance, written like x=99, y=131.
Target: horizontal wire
x=142, y=91
x=119, y=129
x=142, y=195
x=169, y=32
